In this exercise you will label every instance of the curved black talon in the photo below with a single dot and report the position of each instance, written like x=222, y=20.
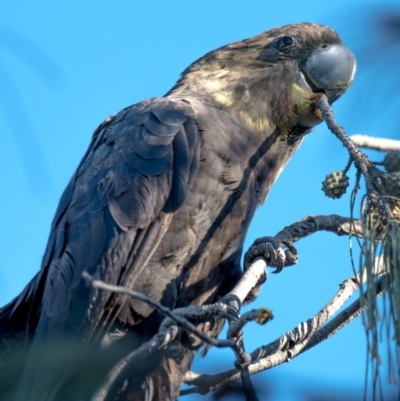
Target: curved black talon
x=291, y=256
x=272, y=251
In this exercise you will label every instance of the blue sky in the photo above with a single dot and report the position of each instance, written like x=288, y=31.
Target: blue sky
x=66, y=66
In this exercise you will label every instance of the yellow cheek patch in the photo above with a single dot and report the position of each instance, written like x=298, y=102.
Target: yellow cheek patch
x=223, y=98
x=301, y=98
x=286, y=124
x=260, y=125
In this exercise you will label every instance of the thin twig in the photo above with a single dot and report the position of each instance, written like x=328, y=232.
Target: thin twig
x=261, y=316
x=360, y=159
x=370, y=142
x=181, y=321
x=198, y=313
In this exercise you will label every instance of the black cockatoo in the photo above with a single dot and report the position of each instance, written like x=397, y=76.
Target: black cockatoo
x=161, y=203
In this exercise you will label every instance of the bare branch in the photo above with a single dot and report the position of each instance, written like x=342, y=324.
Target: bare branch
x=271, y=248
x=370, y=142
x=303, y=337
x=295, y=340
x=361, y=161
x=309, y=225
x=250, y=279
x=363, y=165
x=342, y=319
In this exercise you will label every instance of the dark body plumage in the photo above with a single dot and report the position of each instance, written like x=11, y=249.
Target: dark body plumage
x=161, y=203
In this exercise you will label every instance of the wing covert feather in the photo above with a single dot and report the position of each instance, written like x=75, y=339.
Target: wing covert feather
x=137, y=171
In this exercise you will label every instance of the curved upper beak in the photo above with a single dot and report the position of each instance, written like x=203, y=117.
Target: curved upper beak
x=331, y=70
